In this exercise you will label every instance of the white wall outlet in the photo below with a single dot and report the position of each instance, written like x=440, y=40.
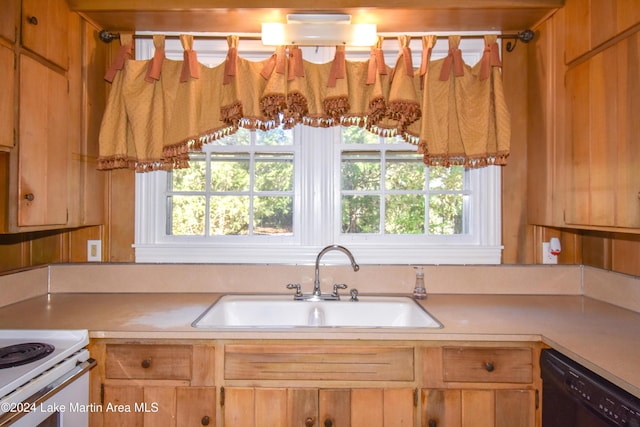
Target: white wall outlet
x=94, y=250
x=547, y=256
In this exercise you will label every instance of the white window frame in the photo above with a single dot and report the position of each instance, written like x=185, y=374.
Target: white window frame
x=321, y=159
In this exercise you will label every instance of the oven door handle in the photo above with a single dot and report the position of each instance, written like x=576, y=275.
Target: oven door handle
x=40, y=396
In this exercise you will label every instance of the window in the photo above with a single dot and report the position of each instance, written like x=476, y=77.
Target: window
x=280, y=196
x=242, y=185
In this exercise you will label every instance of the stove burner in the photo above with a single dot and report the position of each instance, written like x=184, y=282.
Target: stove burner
x=23, y=353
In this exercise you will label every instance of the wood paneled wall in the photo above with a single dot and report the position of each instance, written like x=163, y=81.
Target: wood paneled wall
x=521, y=240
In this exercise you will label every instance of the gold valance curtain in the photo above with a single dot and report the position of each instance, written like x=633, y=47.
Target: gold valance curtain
x=160, y=110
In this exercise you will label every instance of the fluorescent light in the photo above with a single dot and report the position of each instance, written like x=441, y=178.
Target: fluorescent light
x=318, y=30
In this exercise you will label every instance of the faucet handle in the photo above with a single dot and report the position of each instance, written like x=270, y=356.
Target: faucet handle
x=354, y=295
x=297, y=287
x=336, y=287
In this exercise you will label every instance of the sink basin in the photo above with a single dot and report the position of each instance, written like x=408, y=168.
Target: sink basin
x=281, y=311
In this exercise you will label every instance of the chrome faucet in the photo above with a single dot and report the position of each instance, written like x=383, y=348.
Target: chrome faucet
x=316, y=283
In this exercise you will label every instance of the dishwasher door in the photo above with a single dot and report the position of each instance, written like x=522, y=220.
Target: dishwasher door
x=573, y=396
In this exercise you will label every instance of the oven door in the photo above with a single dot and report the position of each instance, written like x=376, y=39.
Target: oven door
x=65, y=402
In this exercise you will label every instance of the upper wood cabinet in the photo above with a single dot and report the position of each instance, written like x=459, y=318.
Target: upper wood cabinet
x=45, y=29
x=604, y=138
x=43, y=150
x=590, y=23
x=584, y=147
x=546, y=124
x=8, y=13
x=7, y=84
x=53, y=99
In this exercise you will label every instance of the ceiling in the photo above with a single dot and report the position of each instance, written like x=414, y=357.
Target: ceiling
x=245, y=16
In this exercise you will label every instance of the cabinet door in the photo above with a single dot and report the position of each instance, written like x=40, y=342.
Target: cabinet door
x=302, y=407
x=8, y=14
x=43, y=147
x=628, y=138
x=578, y=202
x=118, y=403
x=441, y=408
x=515, y=408
x=255, y=407
x=335, y=407
x=604, y=153
x=44, y=29
x=478, y=408
x=7, y=64
x=309, y=407
x=158, y=406
x=195, y=406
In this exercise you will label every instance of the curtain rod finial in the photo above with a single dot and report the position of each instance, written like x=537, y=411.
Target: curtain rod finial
x=524, y=36
x=107, y=36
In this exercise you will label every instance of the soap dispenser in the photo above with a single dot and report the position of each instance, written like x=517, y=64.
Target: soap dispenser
x=419, y=292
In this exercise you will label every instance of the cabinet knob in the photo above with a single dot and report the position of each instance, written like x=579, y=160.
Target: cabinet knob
x=432, y=423
x=32, y=20
x=489, y=366
x=204, y=421
x=30, y=197
x=309, y=422
x=146, y=363
x=328, y=423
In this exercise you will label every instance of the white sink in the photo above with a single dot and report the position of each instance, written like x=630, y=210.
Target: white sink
x=281, y=311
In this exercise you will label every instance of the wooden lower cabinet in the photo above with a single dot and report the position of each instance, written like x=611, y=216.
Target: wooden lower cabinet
x=312, y=407
x=481, y=385
x=478, y=408
x=157, y=405
x=153, y=384
x=315, y=383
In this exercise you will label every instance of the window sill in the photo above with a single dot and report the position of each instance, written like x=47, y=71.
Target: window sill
x=306, y=255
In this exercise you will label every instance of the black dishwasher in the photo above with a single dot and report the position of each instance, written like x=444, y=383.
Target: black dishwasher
x=574, y=396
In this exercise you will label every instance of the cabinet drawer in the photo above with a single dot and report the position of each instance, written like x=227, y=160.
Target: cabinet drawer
x=142, y=361
x=319, y=362
x=483, y=364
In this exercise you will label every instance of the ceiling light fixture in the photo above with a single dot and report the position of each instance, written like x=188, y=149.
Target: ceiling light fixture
x=318, y=30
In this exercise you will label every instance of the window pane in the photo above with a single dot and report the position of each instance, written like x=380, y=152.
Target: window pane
x=360, y=171
x=274, y=172
x=273, y=215
x=395, y=140
x=230, y=172
x=229, y=215
x=241, y=137
x=445, y=214
x=276, y=136
x=358, y=135
x=360, y=214
x=404, y=214
x=187, y=215
x=405, y=171
x=192, y=178
x=441, y=178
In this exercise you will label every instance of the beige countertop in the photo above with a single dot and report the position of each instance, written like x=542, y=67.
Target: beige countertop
x=601, y=336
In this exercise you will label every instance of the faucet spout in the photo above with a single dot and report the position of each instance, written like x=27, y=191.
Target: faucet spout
x=316, y=282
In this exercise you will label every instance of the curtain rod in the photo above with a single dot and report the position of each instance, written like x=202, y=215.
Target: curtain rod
x=524, y=36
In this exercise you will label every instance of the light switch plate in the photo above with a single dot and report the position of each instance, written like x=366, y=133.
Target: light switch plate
x=94, y=250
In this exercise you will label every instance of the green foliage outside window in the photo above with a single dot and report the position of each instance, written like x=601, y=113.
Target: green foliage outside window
x=385, y=189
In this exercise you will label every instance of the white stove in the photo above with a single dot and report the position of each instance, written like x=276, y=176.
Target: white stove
x=44, y=377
